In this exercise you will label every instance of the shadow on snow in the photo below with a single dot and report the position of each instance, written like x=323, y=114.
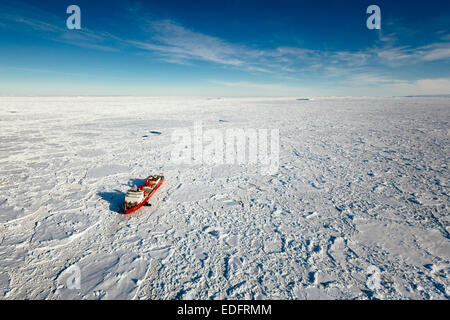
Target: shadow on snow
x=115, y=199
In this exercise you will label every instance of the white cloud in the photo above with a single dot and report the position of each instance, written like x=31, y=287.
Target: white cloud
x=395, y=86
x=364, y=79
x=245, y=84
x=437, y=54
x=424, y=86
x=406, y=55
x=174, y=41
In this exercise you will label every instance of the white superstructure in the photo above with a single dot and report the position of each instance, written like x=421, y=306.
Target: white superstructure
x=134, y=195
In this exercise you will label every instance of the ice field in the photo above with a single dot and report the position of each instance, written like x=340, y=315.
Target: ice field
x=362, y=185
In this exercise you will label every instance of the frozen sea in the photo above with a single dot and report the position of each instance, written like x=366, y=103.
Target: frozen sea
x=358, y=208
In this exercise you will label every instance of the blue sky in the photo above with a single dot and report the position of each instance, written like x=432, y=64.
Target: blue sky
x=225, y=48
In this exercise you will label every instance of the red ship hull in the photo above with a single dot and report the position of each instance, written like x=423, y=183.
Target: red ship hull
x=138, y=206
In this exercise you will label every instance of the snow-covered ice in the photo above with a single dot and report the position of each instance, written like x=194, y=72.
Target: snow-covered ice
x=363, y=184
